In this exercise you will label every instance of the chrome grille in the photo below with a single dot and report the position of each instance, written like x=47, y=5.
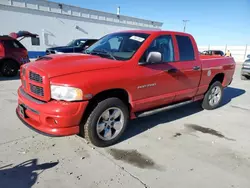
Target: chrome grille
x=37, y=90
x=35, y=77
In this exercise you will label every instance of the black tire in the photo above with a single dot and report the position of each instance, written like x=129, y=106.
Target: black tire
x=244, y=77
x=89, y=127
x=9, y=68
x=206, y=104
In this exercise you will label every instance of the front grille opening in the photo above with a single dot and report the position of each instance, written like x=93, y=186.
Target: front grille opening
x=35, y=77
x=31, y=98
x=37, y=90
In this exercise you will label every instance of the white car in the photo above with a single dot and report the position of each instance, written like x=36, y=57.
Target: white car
x=245, y=71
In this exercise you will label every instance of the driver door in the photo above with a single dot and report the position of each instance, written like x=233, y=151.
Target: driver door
x=156, y=84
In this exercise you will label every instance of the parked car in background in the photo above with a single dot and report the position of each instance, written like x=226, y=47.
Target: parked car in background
x=122, y=76
x=75, y=46
x=12, y=53
x=213, y=52
x=245, y=71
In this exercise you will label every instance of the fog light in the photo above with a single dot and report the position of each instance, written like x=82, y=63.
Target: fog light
x=51, y=121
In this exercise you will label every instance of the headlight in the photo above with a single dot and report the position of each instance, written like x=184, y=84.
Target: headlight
x=66, y=93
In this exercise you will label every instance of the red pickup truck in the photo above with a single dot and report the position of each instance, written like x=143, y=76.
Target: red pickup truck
x=122, y=76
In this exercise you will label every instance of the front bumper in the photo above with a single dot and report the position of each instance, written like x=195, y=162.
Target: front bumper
x=54, y=118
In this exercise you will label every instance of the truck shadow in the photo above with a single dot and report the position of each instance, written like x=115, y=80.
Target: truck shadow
x=140, y=125
x=230, y=93
x=23, y=175
x=3, y=78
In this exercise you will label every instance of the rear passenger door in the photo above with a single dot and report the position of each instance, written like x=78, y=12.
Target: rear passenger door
x=189, y=68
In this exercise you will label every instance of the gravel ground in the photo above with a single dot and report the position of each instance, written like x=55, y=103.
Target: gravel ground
x=185, y=147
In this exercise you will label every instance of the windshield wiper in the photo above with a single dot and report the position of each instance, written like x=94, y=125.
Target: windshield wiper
x=101, y=52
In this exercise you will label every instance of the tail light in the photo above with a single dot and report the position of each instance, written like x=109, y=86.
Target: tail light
x=26, y=53
x=1, y=49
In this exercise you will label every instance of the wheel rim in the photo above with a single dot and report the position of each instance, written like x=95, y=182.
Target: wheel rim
x=110, y=124
x=8, y=69
x=215, y=96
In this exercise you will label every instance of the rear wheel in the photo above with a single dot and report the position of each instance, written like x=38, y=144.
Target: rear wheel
x=106, y=123
x=9, y=68
x=213, y=97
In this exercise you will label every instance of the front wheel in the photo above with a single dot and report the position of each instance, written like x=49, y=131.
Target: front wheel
x=106, y=123
x=213, y=97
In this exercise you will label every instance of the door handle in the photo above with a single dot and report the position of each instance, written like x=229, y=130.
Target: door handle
x=171, y=70
x=196, y=68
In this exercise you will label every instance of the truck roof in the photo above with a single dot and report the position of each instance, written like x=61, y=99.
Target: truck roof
x=155, y=32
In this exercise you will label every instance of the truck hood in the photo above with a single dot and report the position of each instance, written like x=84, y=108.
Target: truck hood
x=62, y=64
x=65, y=48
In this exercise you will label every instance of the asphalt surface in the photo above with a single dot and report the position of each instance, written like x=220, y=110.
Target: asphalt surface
x=185, y=147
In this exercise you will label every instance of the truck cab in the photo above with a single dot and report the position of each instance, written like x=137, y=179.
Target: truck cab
x=123, y=76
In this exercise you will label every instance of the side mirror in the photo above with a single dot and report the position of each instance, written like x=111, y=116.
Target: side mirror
x=248, y=56
x=154, y=57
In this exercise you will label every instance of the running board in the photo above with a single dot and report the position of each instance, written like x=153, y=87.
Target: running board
x=157, y=110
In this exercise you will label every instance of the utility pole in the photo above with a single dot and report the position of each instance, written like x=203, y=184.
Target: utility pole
x=185, y=24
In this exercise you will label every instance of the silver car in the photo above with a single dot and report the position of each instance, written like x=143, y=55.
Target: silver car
x=245, y=71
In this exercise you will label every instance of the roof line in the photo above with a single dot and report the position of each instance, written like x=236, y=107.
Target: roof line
x=158, y=22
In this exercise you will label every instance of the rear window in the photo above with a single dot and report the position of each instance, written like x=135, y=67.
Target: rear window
x=12, y=44
x=186, y=49
x=35, y=41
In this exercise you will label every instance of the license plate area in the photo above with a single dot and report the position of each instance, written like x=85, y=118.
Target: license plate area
x=22, y=111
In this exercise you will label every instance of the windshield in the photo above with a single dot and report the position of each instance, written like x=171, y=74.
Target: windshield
x=119, y=46
x=78, y=42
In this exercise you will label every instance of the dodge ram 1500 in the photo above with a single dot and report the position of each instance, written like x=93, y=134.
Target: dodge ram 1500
x=122, y=76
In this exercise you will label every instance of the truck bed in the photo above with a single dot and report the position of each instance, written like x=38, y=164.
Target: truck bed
x=213, y=65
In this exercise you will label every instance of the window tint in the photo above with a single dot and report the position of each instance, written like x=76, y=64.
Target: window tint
x=115, y=43
x=122, y=46
x=35, y=41
x=89, y=42
x=12, y=44
x=186, y=49
x=162, y=44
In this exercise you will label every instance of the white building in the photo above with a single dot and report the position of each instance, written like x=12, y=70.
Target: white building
x=57, y=24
